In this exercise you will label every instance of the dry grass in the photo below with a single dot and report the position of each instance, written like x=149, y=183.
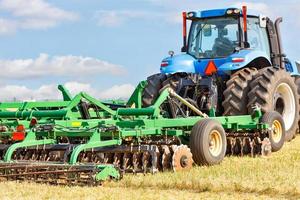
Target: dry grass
x=275, y=177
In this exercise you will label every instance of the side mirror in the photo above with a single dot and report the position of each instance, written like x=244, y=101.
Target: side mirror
x=207, y=30
x=262, y=21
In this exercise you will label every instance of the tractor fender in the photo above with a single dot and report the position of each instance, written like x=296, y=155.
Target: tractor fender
x=246, y=56
x=292, y=67
x=178, y=63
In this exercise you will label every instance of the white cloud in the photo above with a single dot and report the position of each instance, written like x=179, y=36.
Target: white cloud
x=69, y=65
x=256, y=8
x=112, y=18
x=7, y=26
x=32, y=14
x=76, y=87
x=117, y=91
x=10, y=92
x=35, y=9
x=50, y=92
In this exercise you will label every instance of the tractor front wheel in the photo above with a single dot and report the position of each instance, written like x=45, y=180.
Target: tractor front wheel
x=151, y=91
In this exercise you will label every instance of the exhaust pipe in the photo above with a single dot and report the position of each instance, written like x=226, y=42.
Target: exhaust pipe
x=277, y=28
x=184, y=48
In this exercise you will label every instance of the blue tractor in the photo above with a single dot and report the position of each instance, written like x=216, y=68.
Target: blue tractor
x=231, y=62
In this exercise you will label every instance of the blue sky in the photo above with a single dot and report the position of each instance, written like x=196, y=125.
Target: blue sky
x=102, y=47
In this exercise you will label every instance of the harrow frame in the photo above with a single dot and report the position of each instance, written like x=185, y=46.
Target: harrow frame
x=104, y=124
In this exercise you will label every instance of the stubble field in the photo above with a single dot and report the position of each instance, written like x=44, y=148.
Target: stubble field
x=274, y=177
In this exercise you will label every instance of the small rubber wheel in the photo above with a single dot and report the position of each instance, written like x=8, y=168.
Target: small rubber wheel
x=276, y=129
x=208, y=142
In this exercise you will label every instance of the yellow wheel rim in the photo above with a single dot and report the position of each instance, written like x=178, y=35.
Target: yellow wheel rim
x=215, y=143
x=276, y=131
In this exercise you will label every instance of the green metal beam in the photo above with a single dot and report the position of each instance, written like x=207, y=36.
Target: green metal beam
x=32, y=113
x=30, y=140
x=106, y=172
x=95, y=141
x=65, y=92
x=98, y=103
x=135, y=99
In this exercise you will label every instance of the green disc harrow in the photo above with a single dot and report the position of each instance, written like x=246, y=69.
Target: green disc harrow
x=81, y=140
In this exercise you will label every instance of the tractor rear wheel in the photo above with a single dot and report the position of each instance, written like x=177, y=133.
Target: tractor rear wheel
x=275, y=89
x=237, y=88
x=297, y=82
x=208, y=142
x=151, y=91
x=276, y=129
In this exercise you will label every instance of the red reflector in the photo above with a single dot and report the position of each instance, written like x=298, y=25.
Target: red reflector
x=164, y=64
x=235, y=60
x=17, y=136
x=211, y=68
x=20, y=128
x=33, y=122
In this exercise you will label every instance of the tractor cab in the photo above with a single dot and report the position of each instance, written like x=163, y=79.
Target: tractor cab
x=219, y=37
x=228, y=39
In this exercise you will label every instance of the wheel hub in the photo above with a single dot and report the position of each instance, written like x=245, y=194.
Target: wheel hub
x=184, y=161
x=276, y=131
x=279, y=103
x=215, y=143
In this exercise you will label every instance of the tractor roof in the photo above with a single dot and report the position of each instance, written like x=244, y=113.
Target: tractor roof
x=215, y=13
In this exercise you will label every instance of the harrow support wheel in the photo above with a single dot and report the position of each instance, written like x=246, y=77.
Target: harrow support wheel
x=276, y=129
x=208, y=142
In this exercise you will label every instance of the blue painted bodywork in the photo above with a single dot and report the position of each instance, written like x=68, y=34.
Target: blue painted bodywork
x=211, y=13
x=189, y=64
x=292, y=68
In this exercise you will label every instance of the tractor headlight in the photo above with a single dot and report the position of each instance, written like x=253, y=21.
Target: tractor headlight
x=236, y=11
x=233, y=11
x=191, y=14
x=229, y=12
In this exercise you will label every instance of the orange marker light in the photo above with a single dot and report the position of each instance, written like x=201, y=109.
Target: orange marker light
x=19, y=134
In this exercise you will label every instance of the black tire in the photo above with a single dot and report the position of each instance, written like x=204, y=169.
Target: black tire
x=297, y=82
x=276, y=137
x=275, y=89
x=200, y=142
x=151, y=91
x=236, y=93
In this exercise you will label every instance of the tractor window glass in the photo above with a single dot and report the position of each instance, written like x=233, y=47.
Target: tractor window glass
x=213, y=38
x=257, y=36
